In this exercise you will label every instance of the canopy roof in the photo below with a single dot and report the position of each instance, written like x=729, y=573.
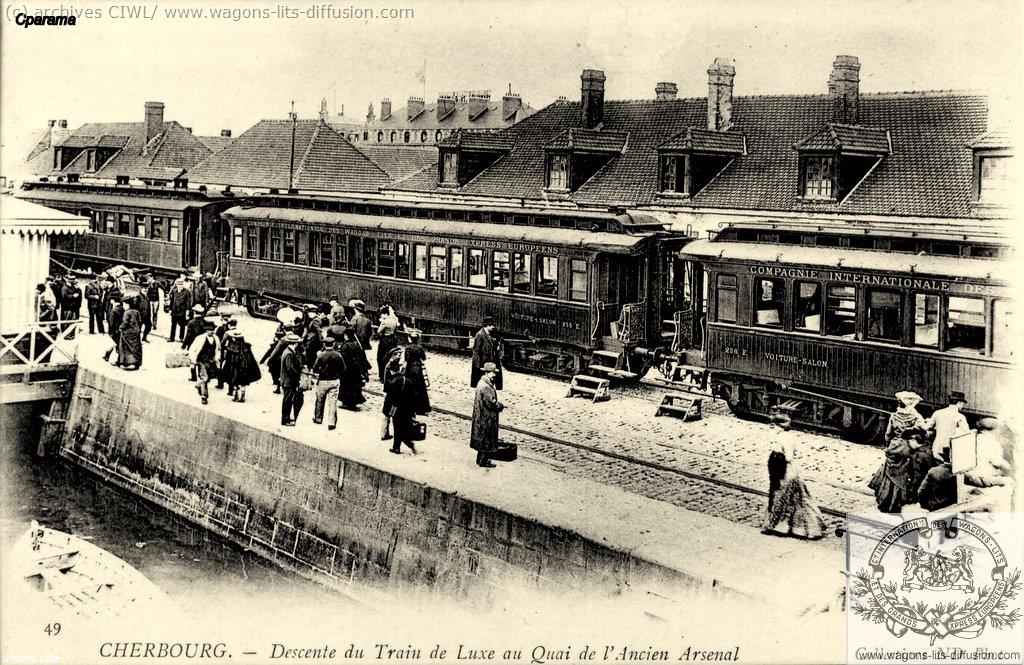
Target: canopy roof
x=24, y=217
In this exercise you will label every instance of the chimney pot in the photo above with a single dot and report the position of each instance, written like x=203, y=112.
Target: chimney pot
x=720, y=80
x=154, y=120
x=226, y=133
x=592, y=97
x=844, y=89
x=665, y=91
x=63, y=124
x=51, y=123
x=385, y=109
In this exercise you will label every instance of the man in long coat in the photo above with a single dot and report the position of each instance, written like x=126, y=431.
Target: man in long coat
x=291, y=374
x=486, y=407
x=129, y=345
x=94, y=302
x=363, y=326
x=115, y=315
x=485, y=350
x=180, y=307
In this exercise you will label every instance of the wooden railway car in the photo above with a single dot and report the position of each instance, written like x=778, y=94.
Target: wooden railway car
x=163, y=229
x=559, y=285
x=829, y=334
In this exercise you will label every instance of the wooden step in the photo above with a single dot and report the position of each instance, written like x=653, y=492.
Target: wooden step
x=612, y=355
x=686, y=407
x=595, y=387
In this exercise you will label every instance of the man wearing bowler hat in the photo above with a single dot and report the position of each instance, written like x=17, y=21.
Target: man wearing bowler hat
x=291, y=374
x=486, y=407
x=485, y=350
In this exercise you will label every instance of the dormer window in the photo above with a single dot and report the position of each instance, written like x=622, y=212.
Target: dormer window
x=690, y=160
x=450, y=167
x=818, y=177
x=90, y=160
x=464, y=155
x=558, y=172
x=993, y=179
x=835, y=160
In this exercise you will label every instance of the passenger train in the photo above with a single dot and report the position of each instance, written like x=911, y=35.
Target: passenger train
x=825, y=322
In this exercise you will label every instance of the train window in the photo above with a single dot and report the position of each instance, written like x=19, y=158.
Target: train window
x=500, y=272
x=369, y=255
x=124, y=224
x=288, y=246
x=236, y=241
x=174, y=229
x=438, y=265
x=926, y=319
x=965, y=325
x=455, y=265
x=109, y=220
x=402, y=259
x=252, y=240
x=985, y=251
x=156, y=225
x=264, y=243
x=341, y=253
x=386, y=258
x=807, y=306
x=841, y=312
x=353, y=253
x=725, y=298
x=477, y=268
x=419, y=256
x=578, y=280
x=769, y=299
x=140, y=226
x=946, y=248
x=301, y=256
x=547, y=276
x=885, y=315
x=275, y=244
x=326, y=254
x=521, y=273
x=1002, y=339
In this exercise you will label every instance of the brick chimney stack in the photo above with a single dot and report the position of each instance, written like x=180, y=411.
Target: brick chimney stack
x=154, y=121
x=844, y=89
x=445, y=106
x=225, y=133
x=720, y=78
x=414, y=107
x=592, y=97
x=510, y=103
x=385, y=109
x=665, y=91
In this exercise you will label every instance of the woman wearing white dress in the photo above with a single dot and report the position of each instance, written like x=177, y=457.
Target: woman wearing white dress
x=793, y=511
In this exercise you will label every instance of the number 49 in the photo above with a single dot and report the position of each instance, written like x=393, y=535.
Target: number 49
x=52, y=629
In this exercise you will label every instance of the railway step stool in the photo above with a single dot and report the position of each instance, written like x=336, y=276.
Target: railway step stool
x=592, y=386
x=689, y=375
x=687, y=407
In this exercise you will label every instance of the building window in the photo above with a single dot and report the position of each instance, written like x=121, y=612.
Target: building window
x=423, y=136
x=450, y=167
x=402, y=259
x=437, y=136
x=841, y=312
x=236, y=241
x=366, y=136
x=769, y=299
x=341, y=253
x=386, y=258
x=558, y=172
x=252, y=242
x=419, y=257
x=455, y=265
x=673, y=171
x=275, y=244
x=288, y=252
x=156, y=226
x=725, y=299
x=477, y=268
x=369, y=255
x=578, y=280
x=807, y=306
x=438, y=265
x=500, y=271
x=380, y=137
x=394, y=136
x=818, y=177
x=885, y=315
x=926, y=320
x=994, y=180
x=405, y=136
x=965, y=325
x=547, y=276
x=1002, y=338
x=124, y=224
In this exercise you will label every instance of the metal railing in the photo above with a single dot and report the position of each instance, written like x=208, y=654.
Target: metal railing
x=40, y=345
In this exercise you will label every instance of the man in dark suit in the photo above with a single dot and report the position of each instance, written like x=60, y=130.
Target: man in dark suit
x=291, y=374
x=485, y=350
x=362, y=325
x=94, y=301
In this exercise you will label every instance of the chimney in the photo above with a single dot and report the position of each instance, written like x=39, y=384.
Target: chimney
x=154, y=120
x=665, y=91
x=445, y=106
x=58, y=131
x=51, y=123
x=225, y=133
x=324, y=115
x=385, y=109
x=844, y=89
x=720, y=76
x=63, y=124
x=369, y=113
x=510, y=103
x=592, y=97
x=478, y=104
x=414, y=107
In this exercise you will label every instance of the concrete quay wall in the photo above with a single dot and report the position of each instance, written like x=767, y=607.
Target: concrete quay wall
x=329, y=517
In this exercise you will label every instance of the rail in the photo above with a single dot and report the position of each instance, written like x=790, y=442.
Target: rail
x=39, y=346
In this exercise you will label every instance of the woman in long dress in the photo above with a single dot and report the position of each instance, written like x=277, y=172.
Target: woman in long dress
x=794, y=509
x=240, y=366
x=393, y=365
x=905, y=416
x=891, y=482
x=356, y=373
x=129, y=345
x=415, y=356
x=387, y=339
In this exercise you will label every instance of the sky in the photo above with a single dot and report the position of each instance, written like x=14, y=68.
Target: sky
x=221, y=73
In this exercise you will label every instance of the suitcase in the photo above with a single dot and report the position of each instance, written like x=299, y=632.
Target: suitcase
x=419, y=430
x=177, y=359
x=506, y=452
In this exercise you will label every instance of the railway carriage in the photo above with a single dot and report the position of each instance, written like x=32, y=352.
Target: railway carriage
x=559, y=285
x=830, y=333
x=158, y=228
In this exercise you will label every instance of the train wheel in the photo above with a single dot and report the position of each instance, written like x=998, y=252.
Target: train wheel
x=868, y=427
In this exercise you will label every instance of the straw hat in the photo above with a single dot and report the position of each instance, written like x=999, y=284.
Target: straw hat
x=490, y=367
x=908, y=398
x=292, y=338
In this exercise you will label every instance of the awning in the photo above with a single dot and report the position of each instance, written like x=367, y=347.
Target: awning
x=83, y=199
x=598, y=241
x=23, y=217
x=851, y=259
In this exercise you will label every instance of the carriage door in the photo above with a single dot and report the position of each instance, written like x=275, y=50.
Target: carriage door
x=190, y=240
